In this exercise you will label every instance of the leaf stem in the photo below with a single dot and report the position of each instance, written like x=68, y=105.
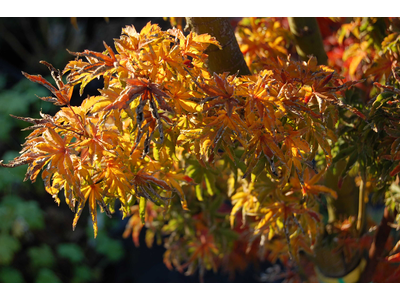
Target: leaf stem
x=78, y=119
x=361, y=207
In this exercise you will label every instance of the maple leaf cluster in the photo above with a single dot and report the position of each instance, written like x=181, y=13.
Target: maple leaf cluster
x=261, y=38
x=99, y=151
x=366, y=150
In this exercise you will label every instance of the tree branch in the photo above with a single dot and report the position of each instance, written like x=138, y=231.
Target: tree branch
x=230, y=58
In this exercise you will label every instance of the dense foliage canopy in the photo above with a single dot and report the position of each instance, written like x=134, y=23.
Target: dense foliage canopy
x=225, y=169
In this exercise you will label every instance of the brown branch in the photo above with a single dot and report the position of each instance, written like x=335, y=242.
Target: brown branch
x=378, y=245
x=230, y=58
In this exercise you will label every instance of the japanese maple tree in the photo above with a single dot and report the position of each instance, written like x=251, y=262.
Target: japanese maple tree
x=228, y=167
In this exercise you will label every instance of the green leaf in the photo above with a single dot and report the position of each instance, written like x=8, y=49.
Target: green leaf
x=20, y=215
x=46, y=275
x=11, y=176
x=41, y=256
x=82, y=274
x=215, y=205
x=350, y=163
x=198, y=192
x=10, y=275
x=260, y=166
x=6, y=126
x=170, y=142
x=380, y=100
x=156, y=152
x=112, y=249
x=71, y=252
x=6, y=217
x=19, y=98
x=8, y=246
x=210, y=183
x=142, y=209
x=228, y=233
x=344, y=153
x=31, y=213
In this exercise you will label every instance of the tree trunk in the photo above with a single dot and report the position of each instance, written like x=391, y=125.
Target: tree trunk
x=331, y=263
x=230, y=58
x=308, y=38
x=329, y=260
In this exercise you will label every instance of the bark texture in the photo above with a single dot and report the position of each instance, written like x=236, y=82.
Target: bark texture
x=230, y=58
x=308, y=38
x=330, y=260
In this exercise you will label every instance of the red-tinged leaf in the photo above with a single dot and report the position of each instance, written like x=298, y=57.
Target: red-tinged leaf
x=110, y=51
x=126, y=97
x=317, y=177
x=314, y=215
x=17, y=162
x=387, y=87
x=39, y=79
x=395, y=170
x=187, y=178
x=395, y=148
x=382, y=67
x=339, y=103
x=100, y=56
x=35, y=168
x=340, y=182
x=326, y=79
x=46, y=121
x=65, y=90
x=142, y=178
x=63, y=96
x=357, y=112
x=322, y=189
x=392, y=132
x=394, y=258
x=56, y=74
x=345, y=86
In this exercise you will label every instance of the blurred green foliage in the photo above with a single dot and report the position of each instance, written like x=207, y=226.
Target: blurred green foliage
x=110, y=248
x=8, y=245
x=10, y=275
x=46, y=275
x=32, y=249
x=71, y=252
x=41, y=256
